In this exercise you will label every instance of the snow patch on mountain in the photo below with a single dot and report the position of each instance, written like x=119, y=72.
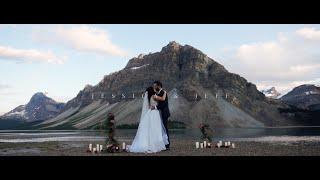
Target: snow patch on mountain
x=271, y=93
x=138, y=67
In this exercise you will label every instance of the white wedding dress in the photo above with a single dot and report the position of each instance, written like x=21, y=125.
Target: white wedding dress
x=151, y=136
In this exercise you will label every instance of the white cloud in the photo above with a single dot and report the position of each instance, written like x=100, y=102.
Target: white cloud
x=4, y=86
x=29, y=55
x=285, y=62
x=81, y=38
x=285, y=87
x=8, y=25
x=309, y=33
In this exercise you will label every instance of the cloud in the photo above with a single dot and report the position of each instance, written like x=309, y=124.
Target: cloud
x=8, y=25
x=4, y=86
x=284, y=62
x=309, y=33
x=29, y=55
x=81, y=38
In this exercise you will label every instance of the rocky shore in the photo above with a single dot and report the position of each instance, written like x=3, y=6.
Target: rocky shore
x=179, y=148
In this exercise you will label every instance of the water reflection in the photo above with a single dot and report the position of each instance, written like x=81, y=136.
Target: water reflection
x=192, y=134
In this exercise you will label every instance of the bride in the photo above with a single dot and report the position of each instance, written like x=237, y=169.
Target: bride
x=151, y=136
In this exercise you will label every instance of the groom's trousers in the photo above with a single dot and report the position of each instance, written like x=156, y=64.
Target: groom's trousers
x=165, y=124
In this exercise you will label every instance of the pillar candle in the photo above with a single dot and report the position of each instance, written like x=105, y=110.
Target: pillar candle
x=225, y=144
x=90, y=147
x=201, y=145
x=233, y=145
x=98, y=148
x=123, y=145
x=94, y=150
x=205, y=144
x=197, y=145
x=101, y=147
x=220, y=142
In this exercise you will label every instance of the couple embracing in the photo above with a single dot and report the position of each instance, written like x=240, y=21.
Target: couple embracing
x=152, y=134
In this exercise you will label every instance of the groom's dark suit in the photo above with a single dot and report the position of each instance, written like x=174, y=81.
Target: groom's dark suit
x=164, y=111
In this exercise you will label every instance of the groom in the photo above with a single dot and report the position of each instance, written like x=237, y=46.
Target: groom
x=162, y=107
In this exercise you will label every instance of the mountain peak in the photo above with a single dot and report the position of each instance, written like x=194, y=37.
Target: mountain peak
x=271, y=93
x=172, y=46
x=303, y=96
x=306, y=86
x=39, y=108
x=39, y=94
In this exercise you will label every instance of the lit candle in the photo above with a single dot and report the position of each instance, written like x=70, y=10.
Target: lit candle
x=225, y=144
x=197, y=145
x=229, y=143
x=209, y=145
x=98, y=147
x=90, y=147
x=205, y=144
x=128, y=147
x=123, y=145
x=201, y=145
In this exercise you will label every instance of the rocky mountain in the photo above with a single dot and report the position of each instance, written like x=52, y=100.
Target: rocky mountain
x=271, y=93
x=303, y=97
x=199, y=89
x=39, y=108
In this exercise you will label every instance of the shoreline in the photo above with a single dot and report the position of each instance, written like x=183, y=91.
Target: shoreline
x=179, y=147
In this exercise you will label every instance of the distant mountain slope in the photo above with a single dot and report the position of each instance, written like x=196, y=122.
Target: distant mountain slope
x=39, y=108
x=303, y=96
x=271, y=93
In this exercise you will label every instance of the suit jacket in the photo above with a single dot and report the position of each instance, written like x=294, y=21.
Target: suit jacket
x=163, y=106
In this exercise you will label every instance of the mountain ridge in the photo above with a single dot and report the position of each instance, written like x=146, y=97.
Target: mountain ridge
x=39, y=108
x=207, y=93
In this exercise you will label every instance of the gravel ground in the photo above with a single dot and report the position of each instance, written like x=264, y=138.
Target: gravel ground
x=178, y=148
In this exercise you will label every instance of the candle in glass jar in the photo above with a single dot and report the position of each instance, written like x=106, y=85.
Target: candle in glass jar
x=201, y=145
x=197, y=145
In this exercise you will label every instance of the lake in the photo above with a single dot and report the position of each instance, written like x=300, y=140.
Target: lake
x=235, y=134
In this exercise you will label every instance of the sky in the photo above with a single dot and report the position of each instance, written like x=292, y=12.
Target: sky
x=61, y=59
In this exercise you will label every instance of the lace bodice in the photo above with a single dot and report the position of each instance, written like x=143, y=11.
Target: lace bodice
x=153, y=102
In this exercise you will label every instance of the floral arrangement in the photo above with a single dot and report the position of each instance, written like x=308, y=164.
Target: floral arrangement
x=112, y=144
x=206, y=131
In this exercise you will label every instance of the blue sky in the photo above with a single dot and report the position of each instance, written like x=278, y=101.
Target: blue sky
x=62, y=59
